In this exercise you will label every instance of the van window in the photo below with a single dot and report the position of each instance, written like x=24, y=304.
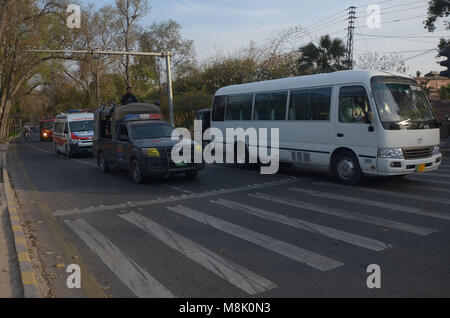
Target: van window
x=310, y=104
x=353, y=104
x=239, y=107
x=270, y=106
x=219, y=108
x=122, y=131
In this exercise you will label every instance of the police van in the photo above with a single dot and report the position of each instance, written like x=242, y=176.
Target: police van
x=73, y=133
x=135, y=138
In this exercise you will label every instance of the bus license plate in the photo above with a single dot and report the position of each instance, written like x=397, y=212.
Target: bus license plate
x=420, y=168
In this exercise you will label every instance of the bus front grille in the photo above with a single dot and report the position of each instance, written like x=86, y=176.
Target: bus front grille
x=418, y=153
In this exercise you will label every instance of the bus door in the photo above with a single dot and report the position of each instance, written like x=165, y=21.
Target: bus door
x=352, y=128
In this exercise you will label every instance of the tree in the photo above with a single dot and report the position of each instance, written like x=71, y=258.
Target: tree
x=25, y=24
x=328, y=56
x=375, y=61
x=445, y=92
x=166, y=37
x=437, y=9
x=128, y=14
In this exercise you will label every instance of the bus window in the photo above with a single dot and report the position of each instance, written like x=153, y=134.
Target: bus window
x=270, y=106
x=239, y=107
x=353, y=104
x=310, y=104
x=219, y=108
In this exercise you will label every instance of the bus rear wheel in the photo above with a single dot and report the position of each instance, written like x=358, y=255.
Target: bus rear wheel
x=346, y=168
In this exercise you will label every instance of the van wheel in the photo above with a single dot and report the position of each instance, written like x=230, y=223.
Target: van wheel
x=192, y=174
x=102, y=164
x=56, y=149
x=136, y=172
x=347, y=169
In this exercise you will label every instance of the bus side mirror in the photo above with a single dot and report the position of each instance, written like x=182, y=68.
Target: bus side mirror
x=369, y=118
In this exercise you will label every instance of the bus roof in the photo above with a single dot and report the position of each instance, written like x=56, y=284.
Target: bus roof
x=354, y=76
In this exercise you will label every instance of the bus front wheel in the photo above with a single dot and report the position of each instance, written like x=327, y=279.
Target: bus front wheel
x=346, y=168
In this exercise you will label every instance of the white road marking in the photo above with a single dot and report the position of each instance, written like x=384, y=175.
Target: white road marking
x=141, y=283
x=202, y=195
x=178, y=189
x=52, y=153
x=415, y=229
x=425, y=187
x=343, y=236
x=389, y=193
x=285, y=249
x=379, y=204
x=430, y=174
x=428, y=180
x=233, y=273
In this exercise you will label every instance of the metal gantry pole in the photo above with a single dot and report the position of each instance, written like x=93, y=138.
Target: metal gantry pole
x=169, y=86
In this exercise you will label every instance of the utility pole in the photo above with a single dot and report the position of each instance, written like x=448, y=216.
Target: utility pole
x=350, y=36
x=166, y=55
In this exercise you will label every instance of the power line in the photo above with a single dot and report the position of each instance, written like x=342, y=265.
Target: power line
x=400, y=5
x=402, y=36
x=393, y=52
x=418, y=55
x=368, y=4
x=395, y=11
x=397, y=20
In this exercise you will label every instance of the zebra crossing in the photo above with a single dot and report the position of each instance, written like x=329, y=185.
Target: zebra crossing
x=259, y=204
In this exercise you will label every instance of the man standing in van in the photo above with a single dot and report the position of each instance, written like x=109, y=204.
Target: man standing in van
x=128, y=98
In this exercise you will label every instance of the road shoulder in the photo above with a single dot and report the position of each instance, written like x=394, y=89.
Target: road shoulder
x=10, y=278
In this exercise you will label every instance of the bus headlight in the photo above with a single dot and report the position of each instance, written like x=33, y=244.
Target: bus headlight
x=393, y=153
x=436, y=151
x=151, y=152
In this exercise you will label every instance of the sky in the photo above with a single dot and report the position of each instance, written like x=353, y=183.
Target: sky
x=226, y=26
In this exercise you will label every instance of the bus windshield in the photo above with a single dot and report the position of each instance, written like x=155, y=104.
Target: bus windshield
x=151, y=130
x=83, y=125
x=402, y=104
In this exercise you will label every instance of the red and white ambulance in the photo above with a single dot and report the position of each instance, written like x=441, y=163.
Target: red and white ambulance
x=73, y=132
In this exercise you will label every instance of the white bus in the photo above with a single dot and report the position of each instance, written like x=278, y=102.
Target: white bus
x=351, y=122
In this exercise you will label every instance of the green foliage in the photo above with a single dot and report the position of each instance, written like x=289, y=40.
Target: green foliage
x=328, y=56
x=445, y=92
x=437, y=9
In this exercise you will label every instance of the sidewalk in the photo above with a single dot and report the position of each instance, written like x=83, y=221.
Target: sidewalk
x=10, y=283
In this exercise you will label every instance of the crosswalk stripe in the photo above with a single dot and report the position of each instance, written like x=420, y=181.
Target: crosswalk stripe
x=430, y=174
x=343, y=236
x=415, y=229
x=426, y=187
x=141, y=283
x=384, y=205
x=428, y=180
x=285, y=249
x=233, y=273
x=389, y=193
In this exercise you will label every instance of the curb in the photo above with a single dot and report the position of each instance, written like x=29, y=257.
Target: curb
x=29, y=282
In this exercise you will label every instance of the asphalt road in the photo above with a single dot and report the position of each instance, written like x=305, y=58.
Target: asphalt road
x=232, y=232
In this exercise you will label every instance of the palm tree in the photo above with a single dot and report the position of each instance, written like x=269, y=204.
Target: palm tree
x=328, y=56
